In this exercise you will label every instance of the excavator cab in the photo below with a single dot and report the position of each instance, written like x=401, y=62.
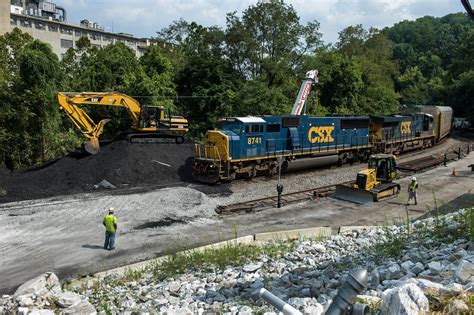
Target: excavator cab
x=152, y=116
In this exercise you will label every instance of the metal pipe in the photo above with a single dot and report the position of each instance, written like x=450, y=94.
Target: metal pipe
x=360, y=309
x=279, y=304
x=347, y=294
x=64, y=12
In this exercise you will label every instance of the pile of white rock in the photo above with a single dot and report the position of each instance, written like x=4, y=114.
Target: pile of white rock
x=426, y=270
x=43, y=295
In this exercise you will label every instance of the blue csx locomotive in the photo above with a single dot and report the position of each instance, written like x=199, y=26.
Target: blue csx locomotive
x=249, y=146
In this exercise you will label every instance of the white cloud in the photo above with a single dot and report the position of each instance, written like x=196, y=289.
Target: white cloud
x=144, y=17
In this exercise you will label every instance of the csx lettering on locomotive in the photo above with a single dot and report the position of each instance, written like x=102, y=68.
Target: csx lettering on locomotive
x=405, y=127
x=321, y=134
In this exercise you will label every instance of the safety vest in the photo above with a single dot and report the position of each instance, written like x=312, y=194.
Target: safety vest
x=110, y=220
x=413, y=186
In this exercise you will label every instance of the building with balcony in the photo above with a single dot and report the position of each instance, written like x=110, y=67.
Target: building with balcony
x=47, y=22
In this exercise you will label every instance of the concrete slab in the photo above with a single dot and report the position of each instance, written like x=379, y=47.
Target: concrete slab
x=294, y=234
x=343, y=229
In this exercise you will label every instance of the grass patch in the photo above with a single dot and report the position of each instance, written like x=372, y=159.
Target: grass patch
x=209, y=259
x=441, y=303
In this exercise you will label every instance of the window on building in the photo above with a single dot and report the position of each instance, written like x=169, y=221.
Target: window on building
x=107, y=38
x=52, y=28
x=66, y=43
x=66, y=30
x=25, y=23
x=96, y=46
x=40, y=26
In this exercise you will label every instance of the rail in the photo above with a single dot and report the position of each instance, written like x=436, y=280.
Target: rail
x=260, y=204
x=425, y=163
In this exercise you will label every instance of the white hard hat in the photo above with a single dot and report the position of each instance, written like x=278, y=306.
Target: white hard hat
x=413, y=178
x=111, y=209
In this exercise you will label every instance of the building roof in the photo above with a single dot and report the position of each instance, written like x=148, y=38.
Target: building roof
x=39, y=19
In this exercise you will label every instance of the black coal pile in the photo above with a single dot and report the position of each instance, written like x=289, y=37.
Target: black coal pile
x=119, y=164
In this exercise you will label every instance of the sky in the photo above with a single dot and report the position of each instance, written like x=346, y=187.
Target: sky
x=143, y=18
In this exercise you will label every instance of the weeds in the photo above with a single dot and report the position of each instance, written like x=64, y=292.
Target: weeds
x=232, y=254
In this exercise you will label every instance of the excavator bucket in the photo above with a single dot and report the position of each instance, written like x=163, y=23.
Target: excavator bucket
x=355, y=195
x=92, y=146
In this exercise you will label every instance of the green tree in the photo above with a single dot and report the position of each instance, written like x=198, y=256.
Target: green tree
x=340, y=83
x=31, y=123
x=269, y=40
x=116, y=68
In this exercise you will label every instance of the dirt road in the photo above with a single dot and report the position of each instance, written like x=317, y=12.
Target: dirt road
x=65, y=235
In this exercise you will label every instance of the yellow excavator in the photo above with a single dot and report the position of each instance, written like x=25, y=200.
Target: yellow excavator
x=374, y=183
x=149, y=123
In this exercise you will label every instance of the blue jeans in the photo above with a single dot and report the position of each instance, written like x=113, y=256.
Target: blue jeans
x=109, y=240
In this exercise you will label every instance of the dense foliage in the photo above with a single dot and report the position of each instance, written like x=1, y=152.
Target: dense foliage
x=254, y=65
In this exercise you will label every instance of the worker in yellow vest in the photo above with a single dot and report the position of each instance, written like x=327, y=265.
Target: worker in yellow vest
x=110, y=223
x=412, y=188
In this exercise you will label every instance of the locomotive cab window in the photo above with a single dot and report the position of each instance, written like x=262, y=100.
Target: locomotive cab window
x=247, y=129
x=256, y=128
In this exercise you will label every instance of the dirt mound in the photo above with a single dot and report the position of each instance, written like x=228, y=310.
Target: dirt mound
x=120, y=163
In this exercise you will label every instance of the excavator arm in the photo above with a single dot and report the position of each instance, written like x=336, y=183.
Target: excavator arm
x=70, y=102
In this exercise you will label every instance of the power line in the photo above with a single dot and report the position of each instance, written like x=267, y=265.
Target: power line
x=171, y=97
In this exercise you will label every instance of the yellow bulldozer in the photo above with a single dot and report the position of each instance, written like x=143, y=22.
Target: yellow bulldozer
x=149, y=123
x=374, y=183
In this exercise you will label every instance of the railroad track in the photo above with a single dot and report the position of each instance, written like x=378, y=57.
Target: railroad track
x=271, y=202
x=420, y=164
x=428, y=162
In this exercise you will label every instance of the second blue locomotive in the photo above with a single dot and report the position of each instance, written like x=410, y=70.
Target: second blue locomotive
x=249, y=146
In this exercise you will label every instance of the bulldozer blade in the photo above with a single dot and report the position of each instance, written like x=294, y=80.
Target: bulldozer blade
x=355, y=195
x=92, y=146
